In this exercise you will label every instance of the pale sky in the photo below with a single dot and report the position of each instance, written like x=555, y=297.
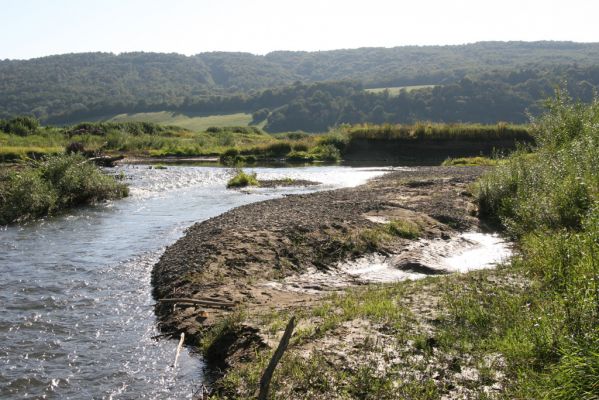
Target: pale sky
x=35, y=28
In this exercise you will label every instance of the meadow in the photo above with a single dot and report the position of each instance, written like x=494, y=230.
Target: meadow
x=194, y=123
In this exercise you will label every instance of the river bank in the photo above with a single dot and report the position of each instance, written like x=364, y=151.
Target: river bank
x=260, y=261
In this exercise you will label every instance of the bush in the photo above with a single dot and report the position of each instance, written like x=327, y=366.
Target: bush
x=278, y=149
x=75, y=147
x=57, y=183
x=260, y=115
x=20, y=126
x=300, y=156
x=242, y=179
x=337, y=140
x=327, y=152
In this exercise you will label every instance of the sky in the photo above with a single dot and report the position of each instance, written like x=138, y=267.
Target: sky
x=36, y=28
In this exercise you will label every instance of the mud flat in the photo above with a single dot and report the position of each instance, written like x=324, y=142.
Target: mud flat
x=291, y=254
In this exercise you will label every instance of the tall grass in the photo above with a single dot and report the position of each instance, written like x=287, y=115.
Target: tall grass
x=437, y=131
x=56, y=183
x=549, y=201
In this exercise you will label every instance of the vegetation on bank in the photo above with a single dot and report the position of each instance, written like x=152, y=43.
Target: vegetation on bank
x=55, y=183
x=527, y=330
x=23, y=138
x=470, y=161
x=549, y=201
x=437, y=132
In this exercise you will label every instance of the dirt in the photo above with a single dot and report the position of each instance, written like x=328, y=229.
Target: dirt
x=237, y=256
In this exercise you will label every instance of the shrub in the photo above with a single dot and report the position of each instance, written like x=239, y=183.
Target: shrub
x=21, y=126
x=75, y=147
x=300, y=156
x=242, y=179
x=59, y=182
x=278, y=149
x=327, y=152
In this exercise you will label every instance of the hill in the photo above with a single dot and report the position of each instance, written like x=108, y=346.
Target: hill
x=66, y=87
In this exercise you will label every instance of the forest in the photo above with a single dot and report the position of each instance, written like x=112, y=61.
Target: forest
x=483, y=82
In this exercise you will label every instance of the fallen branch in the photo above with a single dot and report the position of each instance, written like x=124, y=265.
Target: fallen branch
x=179, y=349
x=201, y=302
x=270, y=369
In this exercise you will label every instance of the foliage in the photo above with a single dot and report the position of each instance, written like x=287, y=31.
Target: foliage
x=21, y=125
x=550, y=201
x=436, y=131
x=242, y=179
x=53, y=184
x=457, y=83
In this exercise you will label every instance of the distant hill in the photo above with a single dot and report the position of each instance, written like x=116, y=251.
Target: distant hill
x=64, y=87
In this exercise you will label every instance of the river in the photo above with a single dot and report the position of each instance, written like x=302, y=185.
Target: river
x=77, y=319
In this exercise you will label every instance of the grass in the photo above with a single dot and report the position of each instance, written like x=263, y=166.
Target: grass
x=549, y=201
x=234, y=144
x=53, y=184
x=436, y=131
x=197, y=123
x=470, y=161
x=242, y=179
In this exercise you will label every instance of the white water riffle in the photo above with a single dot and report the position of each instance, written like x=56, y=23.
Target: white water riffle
x=468, y=251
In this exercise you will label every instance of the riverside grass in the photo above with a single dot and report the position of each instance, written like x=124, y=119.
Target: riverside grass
x=243, y=144
x=549, y=201
x=53, y=184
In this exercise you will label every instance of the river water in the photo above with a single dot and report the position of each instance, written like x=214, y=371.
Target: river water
x=76, y=315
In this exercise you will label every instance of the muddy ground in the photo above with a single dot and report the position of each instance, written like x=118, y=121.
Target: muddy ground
x=236, y=259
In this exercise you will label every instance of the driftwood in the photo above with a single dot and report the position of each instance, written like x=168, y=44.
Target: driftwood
x=200, y=302
x=270, y=369
x=179, y=349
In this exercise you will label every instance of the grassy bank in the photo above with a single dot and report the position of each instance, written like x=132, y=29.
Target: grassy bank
x=45, y=187
x=22, y=138
x=528, y=330
x=435, y=131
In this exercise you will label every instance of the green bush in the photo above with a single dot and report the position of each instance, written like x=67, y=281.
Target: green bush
x=20, y=126
x=242, y=179
x=59, y=182
x=327, y=152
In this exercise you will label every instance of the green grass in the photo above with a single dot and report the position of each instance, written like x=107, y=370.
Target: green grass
x=394, y=91
x=56, y=183
x=470, y=161
x=190, y=122
x=549, y=201
x=437, y=132
x=242, y=179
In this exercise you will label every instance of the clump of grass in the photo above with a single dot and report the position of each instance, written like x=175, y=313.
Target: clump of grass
x=469, y=161
x=243, y=179
x=56, y=183
x=403, y=229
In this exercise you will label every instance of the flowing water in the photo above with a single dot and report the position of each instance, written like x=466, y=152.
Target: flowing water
x=76, y=315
